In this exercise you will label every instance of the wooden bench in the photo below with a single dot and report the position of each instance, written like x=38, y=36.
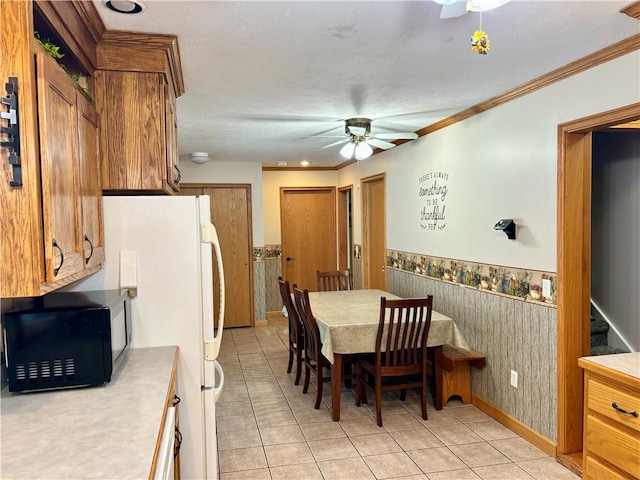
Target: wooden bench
x=456, y=376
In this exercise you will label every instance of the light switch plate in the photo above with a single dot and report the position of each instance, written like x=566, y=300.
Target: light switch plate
x=514, y=379
x=546, y=287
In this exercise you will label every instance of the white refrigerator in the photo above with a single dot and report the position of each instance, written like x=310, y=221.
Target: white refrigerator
x=164, y=246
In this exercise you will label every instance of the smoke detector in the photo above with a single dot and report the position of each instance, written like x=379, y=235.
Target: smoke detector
x=199, y=157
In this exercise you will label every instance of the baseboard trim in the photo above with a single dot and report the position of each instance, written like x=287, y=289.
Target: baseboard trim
x=543, y=443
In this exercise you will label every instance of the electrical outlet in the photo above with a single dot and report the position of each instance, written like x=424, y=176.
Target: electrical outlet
x=514, y=379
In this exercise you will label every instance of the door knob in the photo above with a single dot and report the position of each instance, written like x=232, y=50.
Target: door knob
x=288, y=259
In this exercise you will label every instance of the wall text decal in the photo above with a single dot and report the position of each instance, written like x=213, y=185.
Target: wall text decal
x=432, y=193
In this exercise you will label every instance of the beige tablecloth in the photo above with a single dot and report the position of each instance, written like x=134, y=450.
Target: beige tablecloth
x=348, y=322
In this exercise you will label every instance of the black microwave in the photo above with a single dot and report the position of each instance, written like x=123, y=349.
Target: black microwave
x=67, y=339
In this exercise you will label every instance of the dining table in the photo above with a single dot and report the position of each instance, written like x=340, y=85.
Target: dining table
x=348, y=324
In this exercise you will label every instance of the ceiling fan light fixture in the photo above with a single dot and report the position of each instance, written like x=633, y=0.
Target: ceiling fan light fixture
x=363, y=150
x=445, y=2
x=348, y=150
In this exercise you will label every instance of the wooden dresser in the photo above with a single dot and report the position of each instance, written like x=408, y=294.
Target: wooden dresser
x=611, y=447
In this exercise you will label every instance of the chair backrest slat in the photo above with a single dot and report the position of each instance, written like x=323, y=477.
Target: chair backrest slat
x=295, y=330
x=334, y=280
x=403, y=330
x=311, y=332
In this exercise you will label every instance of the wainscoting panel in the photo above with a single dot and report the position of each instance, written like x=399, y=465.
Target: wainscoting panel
x=357, y=273
x=273, y=270
x=259, y=291
x=512, y=333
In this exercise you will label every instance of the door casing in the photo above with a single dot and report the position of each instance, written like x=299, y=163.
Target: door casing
x=574, y=269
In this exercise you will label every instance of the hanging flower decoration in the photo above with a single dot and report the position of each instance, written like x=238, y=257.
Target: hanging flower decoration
x=480, y=42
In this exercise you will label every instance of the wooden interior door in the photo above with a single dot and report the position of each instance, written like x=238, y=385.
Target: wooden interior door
x=308, y=227
x=231, y=215
x=374, y=227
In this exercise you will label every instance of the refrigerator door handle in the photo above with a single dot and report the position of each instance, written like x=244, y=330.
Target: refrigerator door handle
x=220, y=374
x=208, y=234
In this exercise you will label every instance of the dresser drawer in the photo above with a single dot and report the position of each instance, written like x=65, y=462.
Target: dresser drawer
x=617, y=446
x=602, y=396
x=593, y=469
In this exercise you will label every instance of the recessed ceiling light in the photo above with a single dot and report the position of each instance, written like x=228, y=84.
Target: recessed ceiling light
x=124, y=6
x=304, y=163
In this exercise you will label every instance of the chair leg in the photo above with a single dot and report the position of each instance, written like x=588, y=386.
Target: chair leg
x=320, y=381
x=358, y=384
x=423, y=396
x=298, y=366
x=403, y=394
x=307, y=373
x=379, y=400
x=290, y=357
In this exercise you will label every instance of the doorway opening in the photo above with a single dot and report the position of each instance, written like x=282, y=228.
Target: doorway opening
x=574, y=270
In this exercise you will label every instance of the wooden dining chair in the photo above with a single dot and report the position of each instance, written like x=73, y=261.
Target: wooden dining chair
x=400, y=360
x=296, y=335
x=313, y=357
x=334, y=280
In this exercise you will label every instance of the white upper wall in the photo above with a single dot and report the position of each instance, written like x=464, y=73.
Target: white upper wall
x=231, y=172
x=499, y=164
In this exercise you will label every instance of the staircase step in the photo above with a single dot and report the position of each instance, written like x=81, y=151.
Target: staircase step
x=598, y=326
x=598, y=339
x=605, y=350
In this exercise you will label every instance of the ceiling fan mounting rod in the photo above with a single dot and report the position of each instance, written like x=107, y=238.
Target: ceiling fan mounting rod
x=358, y=122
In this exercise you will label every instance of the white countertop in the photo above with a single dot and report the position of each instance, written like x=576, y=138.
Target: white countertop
x=627, y=363
x=108, y=431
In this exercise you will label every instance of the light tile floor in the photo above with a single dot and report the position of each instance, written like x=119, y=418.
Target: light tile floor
x=268, y=429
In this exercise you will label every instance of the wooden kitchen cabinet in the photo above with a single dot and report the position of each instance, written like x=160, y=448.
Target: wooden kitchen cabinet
x=172, y=400
x=137, y=82
x=70, y=174
x=43, y=203
x=92, y=232
x=611, y=417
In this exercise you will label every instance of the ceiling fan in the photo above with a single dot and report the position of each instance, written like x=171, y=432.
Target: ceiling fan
x=360, y=141
x=456, y=8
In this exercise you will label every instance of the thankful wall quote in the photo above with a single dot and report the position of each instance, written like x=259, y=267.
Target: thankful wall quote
x=432, y=194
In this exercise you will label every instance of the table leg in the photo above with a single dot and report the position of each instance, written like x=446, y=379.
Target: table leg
x=336, y=383
x=437, y=373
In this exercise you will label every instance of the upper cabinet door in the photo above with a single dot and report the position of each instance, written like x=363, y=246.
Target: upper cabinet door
x=89, y=182
x=134, y=140
x=57, y=119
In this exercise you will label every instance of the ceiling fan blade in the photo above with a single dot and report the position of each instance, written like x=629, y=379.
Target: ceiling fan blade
x=456, y=9
x=397, y=136
x=344, y=140
x=380, y=143
x=360, y=131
